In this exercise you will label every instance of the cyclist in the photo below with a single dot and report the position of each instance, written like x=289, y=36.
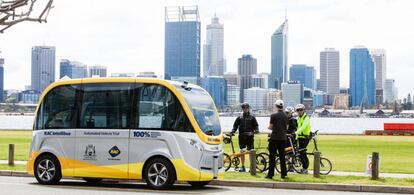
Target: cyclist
x=247, y=126
x=303, y=133
x=292, y=122
x=277, y=142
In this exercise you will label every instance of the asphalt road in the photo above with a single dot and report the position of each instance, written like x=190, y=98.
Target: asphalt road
x=29, y=186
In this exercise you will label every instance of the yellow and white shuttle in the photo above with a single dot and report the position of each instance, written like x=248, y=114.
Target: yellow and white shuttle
x=126, y=128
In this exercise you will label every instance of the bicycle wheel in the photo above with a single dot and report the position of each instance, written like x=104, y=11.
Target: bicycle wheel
x=296, y=164
x=266, y=160
x=235, y=162
x=226, y=162
x=261, y=163
x=326, y=166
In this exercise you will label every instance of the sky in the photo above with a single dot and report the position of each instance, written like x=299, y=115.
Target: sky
x=128, y=35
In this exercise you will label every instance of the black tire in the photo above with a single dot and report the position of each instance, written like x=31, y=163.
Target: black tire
x=266, y=157
x=325, y=166
x=199, y=184
x=92, y=180
x=277, y=164
x=261, y=163
x=296, y=164
x=159, y=174
x=226, y=162
x=47, y=170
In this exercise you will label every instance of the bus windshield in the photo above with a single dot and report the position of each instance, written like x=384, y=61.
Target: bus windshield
x=203, y=109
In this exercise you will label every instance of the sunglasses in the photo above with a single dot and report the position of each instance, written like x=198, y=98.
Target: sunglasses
x=299, y=110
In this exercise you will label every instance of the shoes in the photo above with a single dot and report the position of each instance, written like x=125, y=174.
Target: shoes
x=284, y=176
x=304, y=171
x=242, y=169
x=269, y=177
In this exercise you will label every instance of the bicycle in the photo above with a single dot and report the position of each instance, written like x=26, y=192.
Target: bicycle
x=234, y=158
x=293, y=157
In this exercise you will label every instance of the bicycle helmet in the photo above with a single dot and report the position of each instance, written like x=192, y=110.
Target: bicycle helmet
x=300, y=107
x=289, y=109
x=245, y=104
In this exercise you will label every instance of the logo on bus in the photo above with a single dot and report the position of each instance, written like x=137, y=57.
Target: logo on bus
x=146, y=134
x=90, y=153
x=114, y=151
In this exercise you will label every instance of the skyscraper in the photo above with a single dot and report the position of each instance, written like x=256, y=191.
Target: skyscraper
x=247, y=66
x=217, y=88
x=379, y=57
x=1, y=79
x=43, y=67
x=182, y=42
x=329, y=71
x=390, y=92
x=73, y=69
x=292, y=93
x=214, y=63
x=305, y=74
x=97, y=71
x=362, y=77
x=279, y=57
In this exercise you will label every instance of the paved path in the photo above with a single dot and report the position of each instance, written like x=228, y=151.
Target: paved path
x=24, y=186
x=342, y=173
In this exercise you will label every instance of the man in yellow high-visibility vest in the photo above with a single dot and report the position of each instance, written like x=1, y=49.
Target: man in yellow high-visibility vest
x=303, y=133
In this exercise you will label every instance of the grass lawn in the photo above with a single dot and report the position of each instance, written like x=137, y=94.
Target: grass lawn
x=21, y=141
x=13, y=168
x=349, y=152
x=331, y=179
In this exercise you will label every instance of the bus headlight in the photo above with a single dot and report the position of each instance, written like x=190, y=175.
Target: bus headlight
x=196, y=144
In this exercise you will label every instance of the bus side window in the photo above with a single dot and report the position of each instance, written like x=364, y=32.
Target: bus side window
x=57, y=110
x=158, y=108
x=105, y=106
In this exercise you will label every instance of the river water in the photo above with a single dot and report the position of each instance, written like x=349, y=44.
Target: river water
x=324, y=125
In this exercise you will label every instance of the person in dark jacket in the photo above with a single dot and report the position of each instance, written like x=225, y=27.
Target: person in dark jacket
x=277, y=142
x=292, y=124
x=247, y=126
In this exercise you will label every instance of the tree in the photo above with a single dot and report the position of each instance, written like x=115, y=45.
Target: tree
x=16, y=11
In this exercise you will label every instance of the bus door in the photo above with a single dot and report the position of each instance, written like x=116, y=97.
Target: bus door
x=102, y=137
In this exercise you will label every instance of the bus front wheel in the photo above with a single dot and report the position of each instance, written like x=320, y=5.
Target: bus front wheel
x=47, y=170
x=159, y=173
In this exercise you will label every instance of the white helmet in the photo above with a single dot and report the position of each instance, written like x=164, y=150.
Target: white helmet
x=300, y=106
x=289, y=109
x=279, y=103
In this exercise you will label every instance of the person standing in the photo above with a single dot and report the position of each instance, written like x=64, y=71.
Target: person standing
x=278, y=125
x=303, y=133
x=247, y=126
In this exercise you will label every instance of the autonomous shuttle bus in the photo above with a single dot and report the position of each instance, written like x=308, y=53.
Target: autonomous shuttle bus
x=126, y=128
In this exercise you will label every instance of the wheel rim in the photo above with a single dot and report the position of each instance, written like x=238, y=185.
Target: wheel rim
x=158, y=174
x=46, y=170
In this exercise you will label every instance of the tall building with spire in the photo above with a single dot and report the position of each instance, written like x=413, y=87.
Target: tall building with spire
x=214, y=63
x=279, y=56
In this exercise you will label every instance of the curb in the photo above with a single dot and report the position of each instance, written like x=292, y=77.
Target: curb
x=316, y=186
x=282, y=185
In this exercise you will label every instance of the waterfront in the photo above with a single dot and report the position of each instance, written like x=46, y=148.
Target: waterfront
x=325, y=125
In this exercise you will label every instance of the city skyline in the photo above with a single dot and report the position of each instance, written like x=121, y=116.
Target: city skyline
x=312, y=27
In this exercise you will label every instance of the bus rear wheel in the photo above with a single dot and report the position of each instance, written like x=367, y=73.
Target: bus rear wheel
x=47, y=170
x=159, y=174
x=198, y=184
